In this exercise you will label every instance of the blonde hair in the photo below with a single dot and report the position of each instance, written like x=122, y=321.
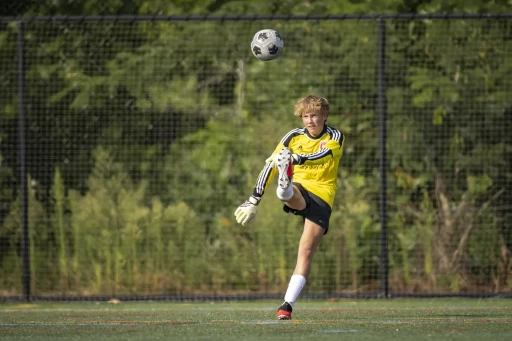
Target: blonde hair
x=311, y=103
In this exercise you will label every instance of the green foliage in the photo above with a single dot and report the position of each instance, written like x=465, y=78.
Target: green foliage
x=126, y=245
x=41, y=250
x=145, y=136
x=355, y=231
x=108, y=218
x=60, y=228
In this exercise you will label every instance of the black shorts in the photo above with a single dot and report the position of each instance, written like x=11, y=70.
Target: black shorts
x=317, y=210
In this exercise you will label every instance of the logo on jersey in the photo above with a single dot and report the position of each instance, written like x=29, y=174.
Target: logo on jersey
x=322, y=144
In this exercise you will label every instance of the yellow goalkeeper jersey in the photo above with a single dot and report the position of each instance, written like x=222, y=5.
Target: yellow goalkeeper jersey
x=319, y=158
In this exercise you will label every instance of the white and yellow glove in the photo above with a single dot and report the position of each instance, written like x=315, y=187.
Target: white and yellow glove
x=247, y=211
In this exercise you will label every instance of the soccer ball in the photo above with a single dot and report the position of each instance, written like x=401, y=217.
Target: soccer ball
x=267, y=44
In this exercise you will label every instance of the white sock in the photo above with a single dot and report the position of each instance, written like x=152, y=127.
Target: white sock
x=285, y=194
x=295, y=286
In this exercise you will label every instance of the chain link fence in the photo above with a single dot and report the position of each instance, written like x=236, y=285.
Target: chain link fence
x=127, y=142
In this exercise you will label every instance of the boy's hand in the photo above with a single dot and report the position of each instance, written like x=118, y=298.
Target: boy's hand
x=247, y=211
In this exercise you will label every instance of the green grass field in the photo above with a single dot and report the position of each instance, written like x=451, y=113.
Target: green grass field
x=397, y=319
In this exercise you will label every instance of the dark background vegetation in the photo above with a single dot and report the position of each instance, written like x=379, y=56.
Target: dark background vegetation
x=143, y=138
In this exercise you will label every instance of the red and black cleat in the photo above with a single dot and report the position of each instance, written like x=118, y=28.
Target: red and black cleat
x=284, y=312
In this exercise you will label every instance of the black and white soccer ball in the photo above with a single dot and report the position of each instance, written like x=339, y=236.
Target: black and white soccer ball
x=267, y=44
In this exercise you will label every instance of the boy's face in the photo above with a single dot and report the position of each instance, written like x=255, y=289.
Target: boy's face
x=314, y=122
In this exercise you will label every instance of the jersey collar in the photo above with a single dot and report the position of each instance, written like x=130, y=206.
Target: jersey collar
x=319, y=135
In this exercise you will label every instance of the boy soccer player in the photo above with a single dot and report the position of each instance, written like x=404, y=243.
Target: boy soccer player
x=310, y=156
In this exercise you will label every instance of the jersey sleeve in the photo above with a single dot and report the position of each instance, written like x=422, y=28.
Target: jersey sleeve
x=267, y=173
x=333, y=148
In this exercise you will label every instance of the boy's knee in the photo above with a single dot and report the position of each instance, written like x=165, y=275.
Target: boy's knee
x=306, y=253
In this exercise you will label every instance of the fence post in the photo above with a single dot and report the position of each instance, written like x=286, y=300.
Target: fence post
x=25, y=239
x=381, y=108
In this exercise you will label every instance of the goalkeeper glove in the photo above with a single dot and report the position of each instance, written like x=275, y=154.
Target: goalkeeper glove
x=247, y=211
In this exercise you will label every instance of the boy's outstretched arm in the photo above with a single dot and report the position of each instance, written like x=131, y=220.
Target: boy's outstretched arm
x=247, y=211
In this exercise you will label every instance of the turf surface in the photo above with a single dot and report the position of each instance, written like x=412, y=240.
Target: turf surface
x=423, y=319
